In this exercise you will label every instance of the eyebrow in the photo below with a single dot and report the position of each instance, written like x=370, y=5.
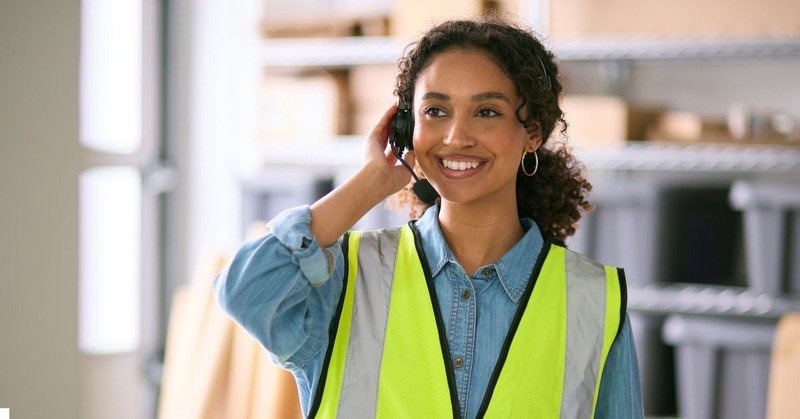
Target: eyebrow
x=475, y=98
x=489, y=95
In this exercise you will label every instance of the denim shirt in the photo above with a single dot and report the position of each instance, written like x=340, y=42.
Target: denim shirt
x=283, y=288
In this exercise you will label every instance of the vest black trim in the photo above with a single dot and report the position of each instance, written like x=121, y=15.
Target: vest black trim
x=623, y=290
x=512, y=330
x=334, y=326
x=448, y=365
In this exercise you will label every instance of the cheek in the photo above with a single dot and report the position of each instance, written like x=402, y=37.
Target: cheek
x=515, y=140
x=424, y=139
x=423, y=143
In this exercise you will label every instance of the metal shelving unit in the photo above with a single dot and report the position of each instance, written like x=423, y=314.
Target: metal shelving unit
x=346, y=52
x=732, y=160
x=693, y=157
x=709, y=300
x=346, y=151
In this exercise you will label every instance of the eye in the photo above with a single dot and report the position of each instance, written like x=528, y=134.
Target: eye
x=488, y=113
x=434, y=112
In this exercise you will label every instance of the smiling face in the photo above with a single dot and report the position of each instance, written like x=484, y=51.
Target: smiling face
x=467, y=137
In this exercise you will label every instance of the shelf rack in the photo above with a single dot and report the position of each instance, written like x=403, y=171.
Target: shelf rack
x=346, y=151
x=709, y=300
x=739, y=158
x=350, y=51
x=695, y=157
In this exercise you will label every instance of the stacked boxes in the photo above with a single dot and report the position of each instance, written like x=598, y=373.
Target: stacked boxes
x=571, y=18
x=598, y=121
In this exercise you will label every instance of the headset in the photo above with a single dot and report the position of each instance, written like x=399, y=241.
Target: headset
x=400, y=141
x=402, y=134
x=402, y=128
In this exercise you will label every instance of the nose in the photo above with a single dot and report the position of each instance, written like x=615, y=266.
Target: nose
x=459, y=134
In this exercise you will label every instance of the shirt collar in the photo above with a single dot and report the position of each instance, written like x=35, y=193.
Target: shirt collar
x=514, y=269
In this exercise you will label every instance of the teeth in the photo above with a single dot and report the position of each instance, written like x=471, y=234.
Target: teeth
x=459, y=165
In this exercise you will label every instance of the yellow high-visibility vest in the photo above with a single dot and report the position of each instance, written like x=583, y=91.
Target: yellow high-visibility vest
x=388, y=355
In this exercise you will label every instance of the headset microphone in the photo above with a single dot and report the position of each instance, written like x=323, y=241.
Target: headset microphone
x=425, y=192
x=400, y=140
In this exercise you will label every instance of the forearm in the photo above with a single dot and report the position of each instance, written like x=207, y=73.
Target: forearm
x=337, y=212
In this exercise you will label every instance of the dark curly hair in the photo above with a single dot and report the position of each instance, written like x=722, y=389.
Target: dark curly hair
x=556, y=194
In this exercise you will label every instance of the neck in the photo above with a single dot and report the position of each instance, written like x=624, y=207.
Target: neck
x=479, y=236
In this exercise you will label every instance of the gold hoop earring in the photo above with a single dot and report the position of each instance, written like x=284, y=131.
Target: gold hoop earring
x=522, y=163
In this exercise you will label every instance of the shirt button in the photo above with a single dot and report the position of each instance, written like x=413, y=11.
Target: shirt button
x=465, y=295
x=487, y=272
x=459, y=362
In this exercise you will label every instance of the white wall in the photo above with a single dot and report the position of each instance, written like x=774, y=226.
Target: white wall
x=39, y=165
x=212, y=119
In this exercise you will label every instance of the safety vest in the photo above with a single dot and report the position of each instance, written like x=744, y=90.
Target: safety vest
x=388, y=354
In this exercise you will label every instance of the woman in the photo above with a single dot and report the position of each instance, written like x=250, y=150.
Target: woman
x=474, y=309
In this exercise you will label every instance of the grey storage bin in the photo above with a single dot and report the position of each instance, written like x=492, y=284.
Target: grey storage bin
x=772, y=234
x=622, y=230
x=722, y=365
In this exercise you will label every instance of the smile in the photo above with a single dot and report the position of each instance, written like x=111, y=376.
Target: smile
x=459, y=165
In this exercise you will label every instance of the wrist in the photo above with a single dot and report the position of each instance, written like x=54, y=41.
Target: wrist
x=376, y=185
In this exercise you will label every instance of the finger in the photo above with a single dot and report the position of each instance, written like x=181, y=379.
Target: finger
x=390, y=157
x=381, y=130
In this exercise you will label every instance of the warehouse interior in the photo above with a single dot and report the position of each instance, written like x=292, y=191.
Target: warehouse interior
x=143, y=141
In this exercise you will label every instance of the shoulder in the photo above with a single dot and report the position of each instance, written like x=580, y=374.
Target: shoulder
x=592, y=271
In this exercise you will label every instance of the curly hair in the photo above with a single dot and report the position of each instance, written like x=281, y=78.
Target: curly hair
x=556, y=194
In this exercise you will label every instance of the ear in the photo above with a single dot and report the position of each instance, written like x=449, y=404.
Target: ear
x=534, y=140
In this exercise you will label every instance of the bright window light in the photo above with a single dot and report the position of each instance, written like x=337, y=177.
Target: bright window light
x=111, y=75
x=110, y=260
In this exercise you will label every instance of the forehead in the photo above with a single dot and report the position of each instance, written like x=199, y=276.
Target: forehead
x=464, y=69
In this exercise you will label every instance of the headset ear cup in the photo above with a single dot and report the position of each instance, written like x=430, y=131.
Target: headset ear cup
x=402, y=128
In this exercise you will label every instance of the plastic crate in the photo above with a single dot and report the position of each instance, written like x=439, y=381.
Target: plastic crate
x=722, y=365
x=772, y=235
x=622, y=229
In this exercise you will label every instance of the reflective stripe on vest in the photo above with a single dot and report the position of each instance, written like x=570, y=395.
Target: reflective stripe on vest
x=388, y=355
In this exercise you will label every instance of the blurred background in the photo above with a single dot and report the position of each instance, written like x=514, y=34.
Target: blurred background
x=142, y=140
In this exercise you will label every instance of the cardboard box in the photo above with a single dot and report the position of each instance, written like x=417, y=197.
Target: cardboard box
x=325, y=18
x=605, y=121
x=576, y=18
x=681, y=126
x=782, y=400
x=410, y=18
x=299, y=108
x=371, y=92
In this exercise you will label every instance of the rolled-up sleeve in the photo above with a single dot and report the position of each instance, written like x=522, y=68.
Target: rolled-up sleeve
x=283, y=288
